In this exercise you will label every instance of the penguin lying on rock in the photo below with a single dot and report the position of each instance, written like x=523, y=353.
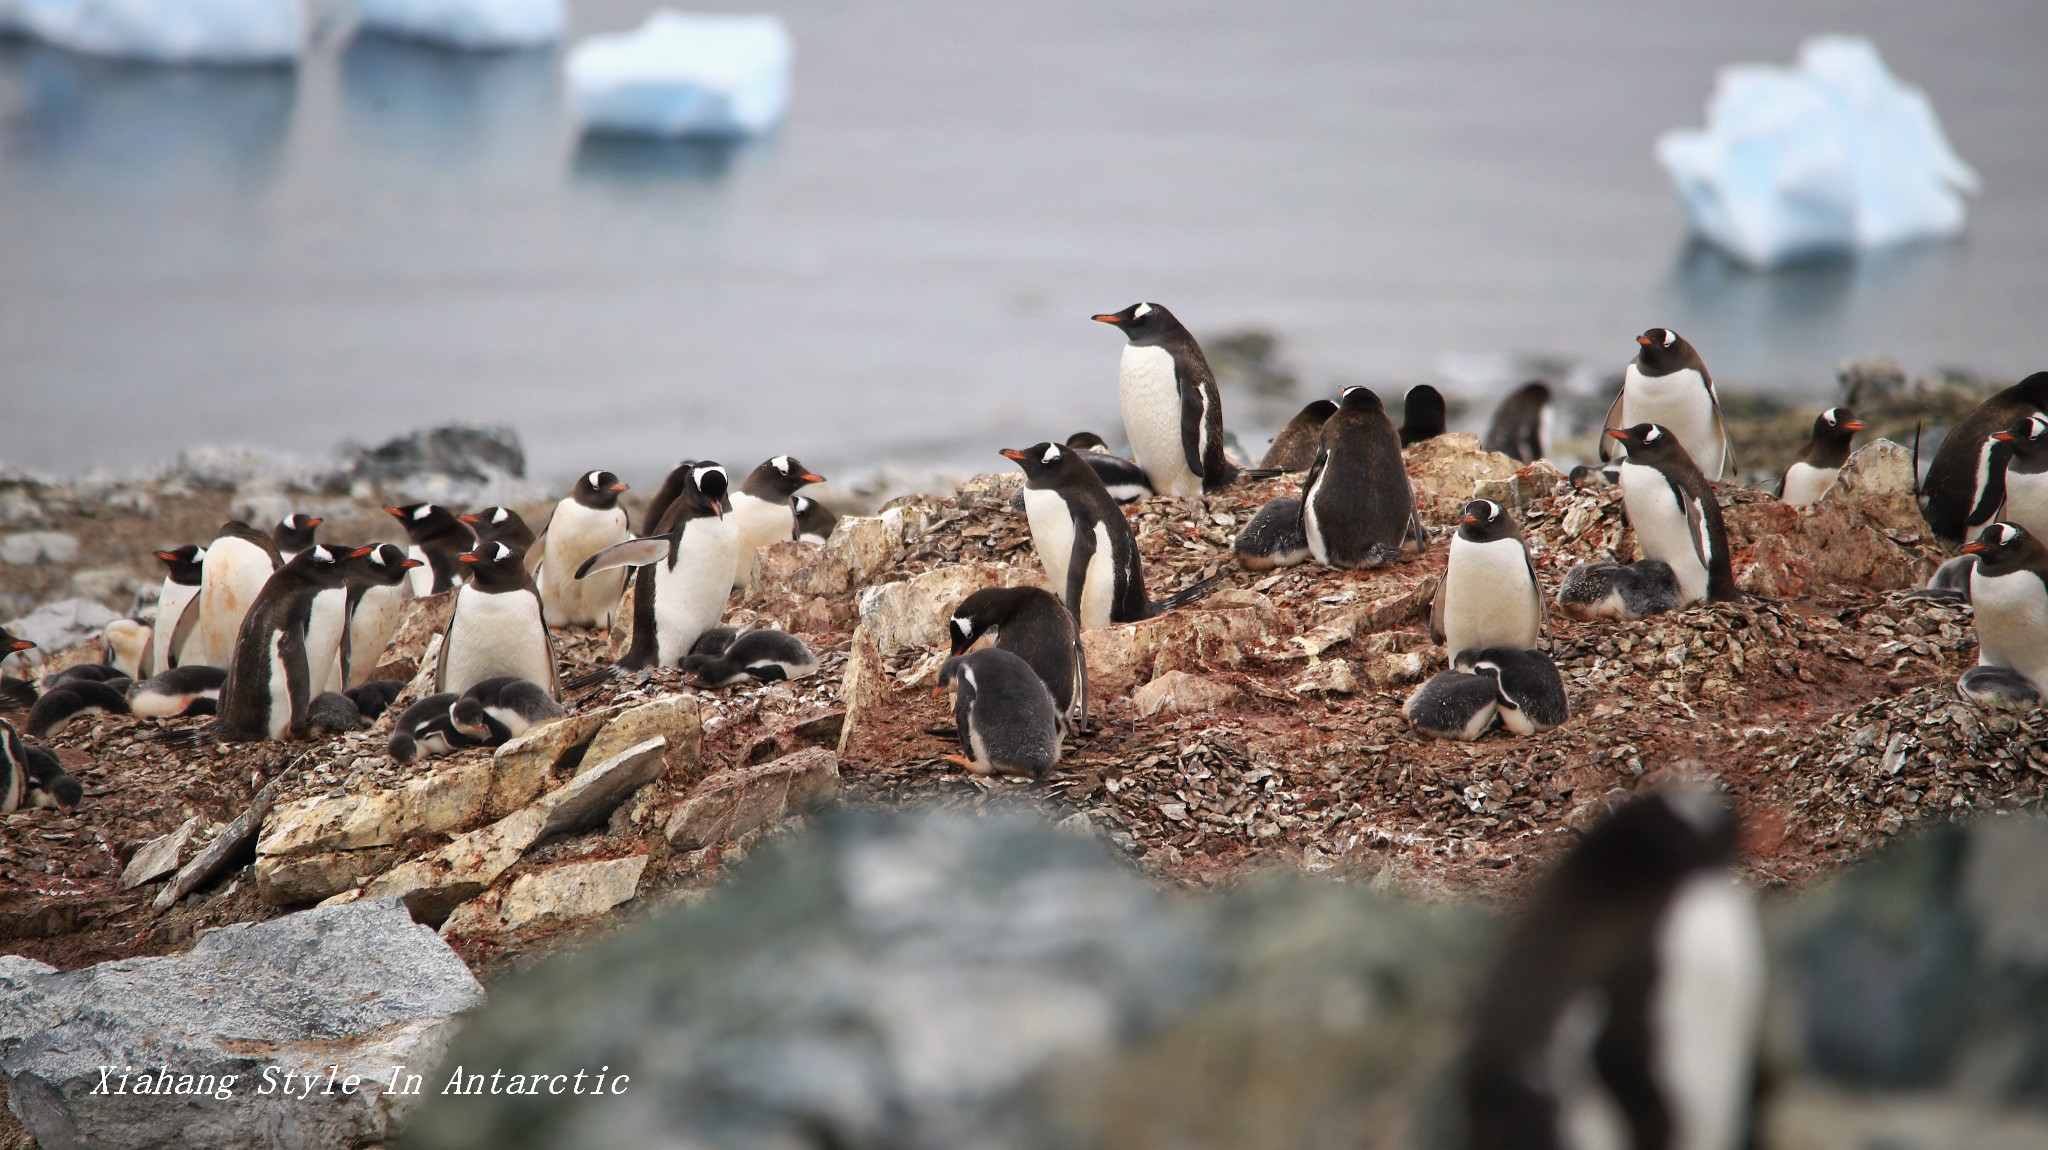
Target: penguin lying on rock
x=1496, y=686
x=66, y=698
x=747, y=657
x=193, y=689
x=490, y=713
x=1611, y=590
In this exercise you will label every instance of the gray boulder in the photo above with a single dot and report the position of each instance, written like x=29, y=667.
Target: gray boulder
x=358, y=988
x=57, y=627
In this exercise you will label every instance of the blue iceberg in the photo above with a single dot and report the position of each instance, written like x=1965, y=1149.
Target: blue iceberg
x=683, y=75
x=477, y=25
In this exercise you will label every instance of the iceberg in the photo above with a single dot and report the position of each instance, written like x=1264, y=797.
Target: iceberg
x=683, y=75
x=166, y=31
x=1832, y=155
x=477, y=25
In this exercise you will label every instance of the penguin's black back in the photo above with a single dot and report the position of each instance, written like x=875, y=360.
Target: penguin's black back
x=1423, y=415
x=1358, y=490
x=1517, y=427
x=283, y=607
x=1294, y=449
x=1032, y=624
x=1951, y=501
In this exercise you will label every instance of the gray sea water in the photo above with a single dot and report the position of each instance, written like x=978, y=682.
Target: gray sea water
x=396, y=235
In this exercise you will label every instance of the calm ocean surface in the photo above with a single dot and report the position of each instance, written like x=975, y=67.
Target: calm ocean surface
x=395, y=235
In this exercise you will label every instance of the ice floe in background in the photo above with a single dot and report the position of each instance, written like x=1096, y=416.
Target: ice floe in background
x=683, y=75
x=1831, y=155
x=168, y=31
x=477, y=25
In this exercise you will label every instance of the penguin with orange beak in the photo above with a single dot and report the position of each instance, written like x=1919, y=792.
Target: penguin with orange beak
x=1821, y=460
x=498, y=627
x=686, y=567
x=762, y=511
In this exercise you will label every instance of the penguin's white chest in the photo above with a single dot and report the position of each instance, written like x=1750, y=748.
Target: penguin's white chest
x=231, y=577
x=2026, y=501
x=323, y=639
x=575, y=534
x=280, y=723
x=420, y=578
x=1661, y=528
x=1489, y=600
x=493, y=635
x=1681, y=403
x=2012, y=623
x=378, y=613
x=690, y=596
x=760, y=522
x=1805, y=483
x=1150, y=395
x=171, y=603
x=1052, y=535
x=1098, y=588
x=1705, y=1010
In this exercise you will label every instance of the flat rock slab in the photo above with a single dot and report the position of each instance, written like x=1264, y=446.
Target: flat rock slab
x=558, y=894
x=1180, y=693
x=361, y=988
x=593, y=795
x=733, y=802
x=159, y=856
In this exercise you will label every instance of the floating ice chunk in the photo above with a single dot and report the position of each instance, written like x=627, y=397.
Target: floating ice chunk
x=479, y=25
x=683, y=75
x=1831, y=155
x=167, y=31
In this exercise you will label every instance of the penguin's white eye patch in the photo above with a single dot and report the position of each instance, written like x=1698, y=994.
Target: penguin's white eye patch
x=424, y=510
x=800, y=504
x=1670, y=337
x=1834, y=416
x=1652, y=435
x=504, y=552
x=595, y=479
x=701, y=472
x=1492, y=509
x=500, y=515
x=962, y=624
x=1052, y=454
x=2007, y=533
x=782, y=463
x=1144, y=309
x=2037, y=427
x=321, y=555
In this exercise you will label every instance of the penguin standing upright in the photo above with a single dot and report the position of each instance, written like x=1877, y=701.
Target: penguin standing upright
x=1966, y=482
x=813, y=520
x=1667, y=384
x=183, y=567
x=293, y=534
x=504, y=525
x=1675, y=513
x=1126, y=481
x=1007, y=721
x=1173, y=414
x=1032, y=624
x=1624, y=1005
x=1294, y=449
x=1358, y=509
x=1821, y=460
x=1423, y=415
x=331, y=653
x=378, y=589
x=2026, y=476
x=761, y=511
x=1488, y=596
x=267, y=687
x=586, y=521
x=498, y=627
x=1521, y=424
x=686, y=567
x=2009, y=596
x=1087, y=547
x=436, y=538
x=238, y=562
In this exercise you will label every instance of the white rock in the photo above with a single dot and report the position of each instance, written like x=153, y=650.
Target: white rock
x=1831, y=155
x=26, y=547
x=168, y=31
x=683, y=75
x=57, y=627
x=478, y=25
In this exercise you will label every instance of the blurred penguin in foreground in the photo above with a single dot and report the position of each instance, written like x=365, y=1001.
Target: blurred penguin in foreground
x=1623, y=1007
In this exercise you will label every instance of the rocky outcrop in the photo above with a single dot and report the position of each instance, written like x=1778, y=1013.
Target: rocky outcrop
x=1856, y=536
x=558, y=894
x=1180, y=693
x=1447, y=470
x=1216, y=632
x=341, y=994
x=159, y=856
x=914, y=612
x=733, y=802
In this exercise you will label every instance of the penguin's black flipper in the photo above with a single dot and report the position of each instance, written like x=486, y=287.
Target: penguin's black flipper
x=632, y=553
x=1077, y=570
x=1249, y=474
x=590, y=678
x=1186, y=595
x=17, y=694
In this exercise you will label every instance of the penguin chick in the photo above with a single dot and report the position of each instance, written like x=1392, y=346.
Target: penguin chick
x=757, y=656
x=333, y=713
x=1521, y=424
x=1274, y=537
x=73, y=699
x=1821, y=460
x=1667, y=384
x=427, y=729
x=1585, y=475
x=1998, y=688
x=813, y=520
x=1294, y=449
x=1173, y=414
x=1423, y=415
x=48, y=785
x=498, y=710
x=375, y=697
x=294, y=533
x=193, y=689
x=1032, y=624
x=1454, y=705
x=1610, y=590
x=1951, y=580
x=1532, y=695
x=1006, y=718
x=128, y=645
x=1123, y=478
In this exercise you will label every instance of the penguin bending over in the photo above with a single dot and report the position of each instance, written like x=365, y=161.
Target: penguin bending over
x=1610, y=590
x=1423, y=415
x=498, y=626
x=1675, y=513
x=1032, y=624
x=2026, y=475
x=1007, y=721
x=761, y=511
x=178, y=596
x=587, y=520
x=1126, y=481
x=1358, y=509
x=1624, y=1005
x=293, y=534
x=238, y=563
x=1531, y=695
x=266, y=691
x=32, y=776
x=1488, y=596
x=1294, y=449
x=2009, y=598
x=813, y=520
x=435, y=537
x=686, y=567
x=1173, y=414
x=1274, y=537
x=1966, y=482
x=1521, y=424
x=193, y=689
x=1821, y=460
x=1667, y=384
x=765, y=656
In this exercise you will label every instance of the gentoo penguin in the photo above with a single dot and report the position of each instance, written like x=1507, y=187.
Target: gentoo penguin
x=13, y=768
x=497, y=710
x=1521, y=424
x=1624, y=1004
x=814, y=520
x=1125, y=480
x=1358, y=509
x=180, y=592
x=1666, y=384
x=2009, y=596
x=498, y=626
x=1006, y=718
x=586, y=521
x=435, y=536
x=1087, y=547
x=765, y=656
x=1423, y=415
x=1294, y=449
x=238, y=563
x=293, y=534
x=504, y=525
x=1454, y=705
x=193, y=689
x=48, y=785
x=265, y=694
x=373, y=597
x=15, y=694
x=1966, y=482
x=761, y=510
x=129, y=646
x=686, y=567
x=1274, y=537
x=65, y=699
x=2026, y=476
x=1610, y=590
x=1488, y=596
x=1950, y=581
x=1821, y=459
x=1674, y=511
x=427, y=728
x=1532, y=697
x=375, y=697
x=1173, y=415
x=332, y=713
x=24, y=693
x=1032, y=624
